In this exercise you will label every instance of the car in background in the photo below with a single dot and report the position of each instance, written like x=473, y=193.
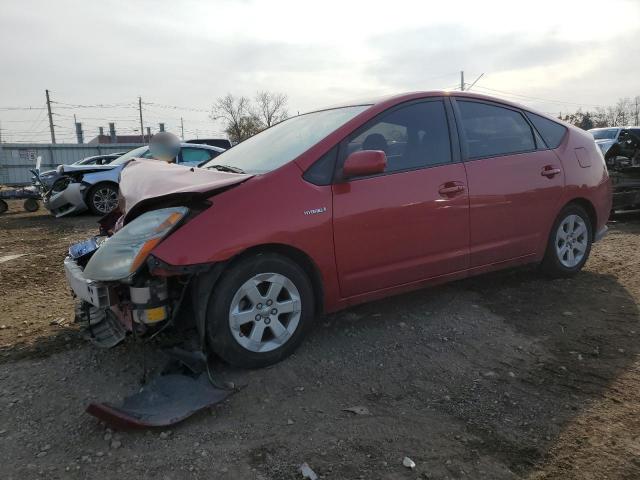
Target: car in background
x=615, y=141
x=48, y=178
x=214, y=142
x=99, y=159
x=342, y=206
x=77, y=188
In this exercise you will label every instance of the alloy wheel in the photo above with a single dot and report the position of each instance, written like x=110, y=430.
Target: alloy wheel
x=571, y=240
x=265, y=312
x=105, y=199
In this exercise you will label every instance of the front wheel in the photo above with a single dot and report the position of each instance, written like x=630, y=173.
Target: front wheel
x=102, y=198
x=569, y=243
x=260, y=311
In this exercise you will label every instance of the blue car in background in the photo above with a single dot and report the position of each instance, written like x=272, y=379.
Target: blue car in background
x=76, y=188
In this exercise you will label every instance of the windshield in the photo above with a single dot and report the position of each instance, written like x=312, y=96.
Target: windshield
x=283, y=142
x=604, y=134
x=140, y=152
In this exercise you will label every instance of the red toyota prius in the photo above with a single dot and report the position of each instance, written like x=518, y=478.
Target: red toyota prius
x=337, y=207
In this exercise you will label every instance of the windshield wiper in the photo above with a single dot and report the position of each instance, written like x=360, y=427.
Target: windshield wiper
x=226, y=168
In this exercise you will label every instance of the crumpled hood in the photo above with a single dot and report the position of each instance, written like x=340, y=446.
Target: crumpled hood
x=87, y=168
x=145, y=181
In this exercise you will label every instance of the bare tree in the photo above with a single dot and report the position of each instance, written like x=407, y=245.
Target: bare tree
x=624, y=112
x=622, y=109
x=241, y=122
x=271, y=107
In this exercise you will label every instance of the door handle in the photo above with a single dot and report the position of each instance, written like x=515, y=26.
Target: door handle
x=550, y=171
x=451, y=188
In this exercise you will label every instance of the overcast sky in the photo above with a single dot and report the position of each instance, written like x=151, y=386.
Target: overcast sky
x=187, y=53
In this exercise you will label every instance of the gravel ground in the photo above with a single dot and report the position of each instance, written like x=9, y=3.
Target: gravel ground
x=504, y=376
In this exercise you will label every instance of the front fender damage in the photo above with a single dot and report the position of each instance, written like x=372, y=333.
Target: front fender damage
x=162, y=298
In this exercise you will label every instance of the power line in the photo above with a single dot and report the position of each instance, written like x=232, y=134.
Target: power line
x=175, y=107
x=528, y=97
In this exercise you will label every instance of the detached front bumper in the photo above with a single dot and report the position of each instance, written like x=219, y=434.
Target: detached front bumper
x=68, y=201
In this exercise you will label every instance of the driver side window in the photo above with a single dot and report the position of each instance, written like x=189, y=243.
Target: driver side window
x=412, y=137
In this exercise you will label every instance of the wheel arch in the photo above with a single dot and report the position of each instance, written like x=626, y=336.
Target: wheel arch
x=589, y=208
x=90, y=187
x=297, y=256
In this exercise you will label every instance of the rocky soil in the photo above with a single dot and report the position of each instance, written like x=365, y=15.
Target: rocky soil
x=505, y=376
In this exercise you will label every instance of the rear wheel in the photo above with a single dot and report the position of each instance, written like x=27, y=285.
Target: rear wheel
x=102, y=198
x=569, y=243
x=260, y=311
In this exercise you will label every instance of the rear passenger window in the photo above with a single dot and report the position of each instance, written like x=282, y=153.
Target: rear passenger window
x=491, y=130
x=552, y=133
x=413, y=136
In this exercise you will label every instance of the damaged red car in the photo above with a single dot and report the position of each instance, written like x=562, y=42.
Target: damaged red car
x=334, y=208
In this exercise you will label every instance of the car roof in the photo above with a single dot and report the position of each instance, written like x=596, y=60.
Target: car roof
x=203, y=147
x=386, y=101
x=103, y=155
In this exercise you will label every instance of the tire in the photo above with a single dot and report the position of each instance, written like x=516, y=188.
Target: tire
x=242, y=314
x=102, y=198
x=4, y=206
x=31, y=205
x=569, y=243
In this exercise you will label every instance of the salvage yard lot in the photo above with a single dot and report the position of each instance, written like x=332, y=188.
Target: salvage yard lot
x=508, y=375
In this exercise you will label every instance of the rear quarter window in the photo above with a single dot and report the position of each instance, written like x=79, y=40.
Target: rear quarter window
x=551, y=132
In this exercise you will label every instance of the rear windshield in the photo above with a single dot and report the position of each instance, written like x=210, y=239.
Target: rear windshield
x=604, y=134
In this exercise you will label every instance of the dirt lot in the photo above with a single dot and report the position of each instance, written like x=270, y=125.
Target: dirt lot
x=504, y=376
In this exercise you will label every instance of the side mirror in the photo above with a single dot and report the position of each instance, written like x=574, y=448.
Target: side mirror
x=364, y=162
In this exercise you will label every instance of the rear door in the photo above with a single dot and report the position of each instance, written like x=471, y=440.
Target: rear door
x=515, y=181
x=411, y=222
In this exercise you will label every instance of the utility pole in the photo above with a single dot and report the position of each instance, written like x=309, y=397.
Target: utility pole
x=182, y=126
x=53, y=133
x=141, y=127
x=462, y=80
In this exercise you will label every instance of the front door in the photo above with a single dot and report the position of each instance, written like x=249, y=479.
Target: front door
x=411, y=222
x=515, y=183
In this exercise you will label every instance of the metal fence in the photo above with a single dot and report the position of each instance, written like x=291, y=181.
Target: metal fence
x=17, y=158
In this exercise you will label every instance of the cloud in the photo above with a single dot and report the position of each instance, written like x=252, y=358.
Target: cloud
x=405, y=59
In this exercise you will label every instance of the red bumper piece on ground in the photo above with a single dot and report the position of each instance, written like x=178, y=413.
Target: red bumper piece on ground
x=166, y=400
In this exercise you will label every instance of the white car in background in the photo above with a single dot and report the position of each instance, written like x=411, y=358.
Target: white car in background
x=607, y=137
x=78, y=188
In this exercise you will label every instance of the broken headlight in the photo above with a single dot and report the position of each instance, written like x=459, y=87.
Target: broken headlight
x=121, y=255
